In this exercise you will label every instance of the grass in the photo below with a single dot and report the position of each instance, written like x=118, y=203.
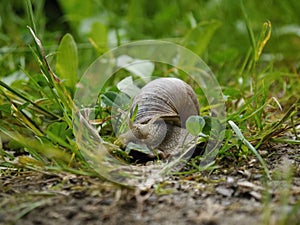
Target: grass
x=43, y=107
x=251, y=51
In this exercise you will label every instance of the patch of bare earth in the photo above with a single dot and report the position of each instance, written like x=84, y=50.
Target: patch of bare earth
x=234, y=193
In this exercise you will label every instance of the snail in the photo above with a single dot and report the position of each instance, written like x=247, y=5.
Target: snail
x=160, y=111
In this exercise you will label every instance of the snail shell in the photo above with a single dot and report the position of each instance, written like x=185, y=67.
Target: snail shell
x=163, y=106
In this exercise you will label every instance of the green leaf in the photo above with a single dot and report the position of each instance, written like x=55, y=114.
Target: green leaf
x=195, y=124
x=213, y=127
x=198, y=38
x=67, y=62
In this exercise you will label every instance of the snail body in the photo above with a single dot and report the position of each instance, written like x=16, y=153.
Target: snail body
x=160, y=111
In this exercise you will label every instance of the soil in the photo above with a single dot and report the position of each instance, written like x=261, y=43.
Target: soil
x=235, y=192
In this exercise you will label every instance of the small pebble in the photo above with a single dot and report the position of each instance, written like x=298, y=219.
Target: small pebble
x=227, y=192
x=230, y=180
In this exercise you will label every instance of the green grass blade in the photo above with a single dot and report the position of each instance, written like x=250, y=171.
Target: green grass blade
x=249, y=146
x=30, y=14
x=248, y=26
x=61, y=97
x=275, y=128
x=38, y=149
x=23, y=97
x=28, y=207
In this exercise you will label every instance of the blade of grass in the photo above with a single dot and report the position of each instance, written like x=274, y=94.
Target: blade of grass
x=249, y=146
x=275, y=128
x=286, y=141
x=61, y=95
x=248, y=26
x=23, y=118
x=30, y=14
x=23, y=97
x=28, y=207
x=243, y=108
x=263, y=39
x=38, y=149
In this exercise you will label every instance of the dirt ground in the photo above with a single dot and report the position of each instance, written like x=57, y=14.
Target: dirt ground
x=236, y=192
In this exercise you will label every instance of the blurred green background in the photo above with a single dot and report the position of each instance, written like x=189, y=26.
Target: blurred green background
x=100, y=25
